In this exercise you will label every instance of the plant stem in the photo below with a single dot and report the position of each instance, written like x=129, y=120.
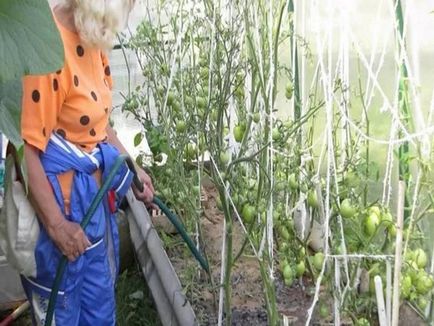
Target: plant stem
x=405, y=115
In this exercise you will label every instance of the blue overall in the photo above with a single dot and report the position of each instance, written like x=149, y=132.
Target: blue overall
x=86, y=295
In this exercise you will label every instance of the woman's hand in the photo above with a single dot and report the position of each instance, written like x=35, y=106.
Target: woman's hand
x=70, y=238
x=147, y=195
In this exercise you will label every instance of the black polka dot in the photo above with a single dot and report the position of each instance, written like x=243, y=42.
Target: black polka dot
x=84, y=120
x=106, y=110
x=76, y=82
x=61, y=133
x=55, y=84
x=107, y=71
x=82, y=146
x=36, y=96
x=94, y=96
x=80, y=51
x=92, y=132
x=105, y=139
x=58, y=71
x=43, y=132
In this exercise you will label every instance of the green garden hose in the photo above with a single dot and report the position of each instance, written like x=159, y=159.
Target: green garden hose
x=178, y=225
x=173, y=219
x=64, y=261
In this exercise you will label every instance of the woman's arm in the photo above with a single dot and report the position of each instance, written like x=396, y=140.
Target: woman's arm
x=148, y=192
x=68, y=236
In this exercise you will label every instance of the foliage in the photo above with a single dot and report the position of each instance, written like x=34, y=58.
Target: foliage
x=208, y=103
x=30, y=45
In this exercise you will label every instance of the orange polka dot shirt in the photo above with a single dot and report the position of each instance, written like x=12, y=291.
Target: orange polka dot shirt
x=75, y=102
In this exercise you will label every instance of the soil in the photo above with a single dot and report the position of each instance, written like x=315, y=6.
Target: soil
x=247, y=288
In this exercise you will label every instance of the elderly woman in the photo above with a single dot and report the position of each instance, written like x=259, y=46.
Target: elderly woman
x=69, y=150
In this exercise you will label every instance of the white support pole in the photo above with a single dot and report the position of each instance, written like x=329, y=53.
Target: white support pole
x=382, y=318
x=398, y=253
x=388, y=291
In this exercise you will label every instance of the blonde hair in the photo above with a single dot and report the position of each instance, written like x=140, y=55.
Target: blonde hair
x=98, y=21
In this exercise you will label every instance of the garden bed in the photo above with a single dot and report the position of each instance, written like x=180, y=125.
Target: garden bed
x=247, y=288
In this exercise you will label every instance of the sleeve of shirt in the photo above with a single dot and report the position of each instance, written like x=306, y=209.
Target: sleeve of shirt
x=107, y=71
x=43, y=97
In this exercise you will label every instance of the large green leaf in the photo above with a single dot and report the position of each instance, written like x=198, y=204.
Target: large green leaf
x=10, y=110
x=29, y=40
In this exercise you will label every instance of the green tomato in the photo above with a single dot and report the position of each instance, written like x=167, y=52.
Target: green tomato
x=423, y=284
x=362, y=322
x=238, y=133
x=275, y=134
x=312, y=199
x=375, y=210
x=318, y=260
x=165, y=68
x=214, y=115
x=288, y=281
x=170, y=98
x=161, y=90
x=191, y=151
x=351, y=179
x=324, y=311
x=181, y=126
x=406, y=285
x=371, y=224
x=347, y=210
x=248, y=213
x=392, y=230
x=225, y=156
x=176, y=106
x=289, y=90
x=283, y=246
x=420, y=257
x=188, y=100
x=287, y=272
x=256, y=117
x=204, y=71
x=201, y=102
x=293, y=182
x=422, y=303
x=300, y=269
x=284, y=233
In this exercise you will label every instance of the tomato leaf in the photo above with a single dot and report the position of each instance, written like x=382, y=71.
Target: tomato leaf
x=138, y=139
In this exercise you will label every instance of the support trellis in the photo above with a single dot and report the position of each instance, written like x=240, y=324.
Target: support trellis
x=333, y=82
